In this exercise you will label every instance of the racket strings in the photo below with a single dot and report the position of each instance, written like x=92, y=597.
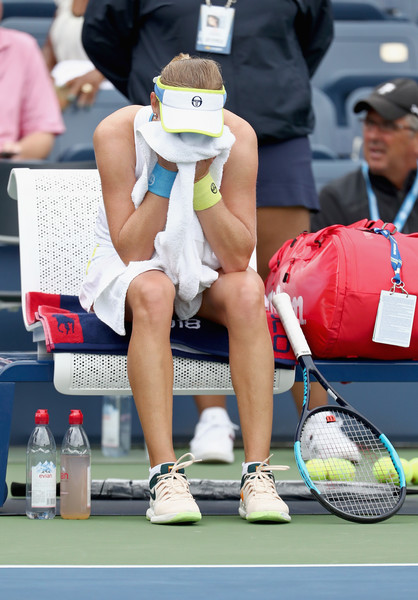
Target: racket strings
x=349, y=484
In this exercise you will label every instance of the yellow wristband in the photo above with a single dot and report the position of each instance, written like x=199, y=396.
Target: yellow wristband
x=205, y=193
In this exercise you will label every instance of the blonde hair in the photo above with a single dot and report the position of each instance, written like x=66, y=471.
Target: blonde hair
x=193, y=72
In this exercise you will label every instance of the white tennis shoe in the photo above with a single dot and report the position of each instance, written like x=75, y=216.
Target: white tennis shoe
x=214, y=436
x=170, y=497
x=324, y=438
x=259, y=500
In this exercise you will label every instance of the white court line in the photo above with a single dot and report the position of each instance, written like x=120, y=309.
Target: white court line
x=242, y=566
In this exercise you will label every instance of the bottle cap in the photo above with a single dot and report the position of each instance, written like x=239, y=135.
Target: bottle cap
x=42, y=416
x=76, y=417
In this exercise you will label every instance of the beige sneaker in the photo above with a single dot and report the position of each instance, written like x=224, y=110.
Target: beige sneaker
x=170, y=497
x=259, y=498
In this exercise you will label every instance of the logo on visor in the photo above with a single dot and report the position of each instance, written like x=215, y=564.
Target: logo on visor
x=197, y=101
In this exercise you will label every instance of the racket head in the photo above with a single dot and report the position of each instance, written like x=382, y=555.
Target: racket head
x=346, y=482
x=352, y=491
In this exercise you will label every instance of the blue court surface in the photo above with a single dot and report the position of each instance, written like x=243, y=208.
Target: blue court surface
x=291, y=582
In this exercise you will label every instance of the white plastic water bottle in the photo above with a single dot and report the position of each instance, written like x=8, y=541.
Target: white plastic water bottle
x=116, y=425
x=41, y=462
x=75, y=494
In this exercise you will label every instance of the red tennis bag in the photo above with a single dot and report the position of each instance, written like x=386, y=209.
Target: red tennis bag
x=334, y=278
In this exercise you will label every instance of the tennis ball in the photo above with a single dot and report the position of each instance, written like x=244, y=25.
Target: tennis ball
x=413, y=463
x=316, y=469
x=340, y=469
x=384, y=471
x=407, y=469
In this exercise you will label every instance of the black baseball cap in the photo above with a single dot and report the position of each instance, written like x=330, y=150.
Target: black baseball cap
x=392, y=100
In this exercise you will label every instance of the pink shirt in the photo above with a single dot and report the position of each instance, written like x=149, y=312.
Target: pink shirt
x=28, y=102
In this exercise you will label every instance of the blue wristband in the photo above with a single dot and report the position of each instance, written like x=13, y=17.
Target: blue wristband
x=161, y=181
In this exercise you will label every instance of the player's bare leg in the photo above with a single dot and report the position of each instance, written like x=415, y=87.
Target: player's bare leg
x=237, y=301
x=150, y=366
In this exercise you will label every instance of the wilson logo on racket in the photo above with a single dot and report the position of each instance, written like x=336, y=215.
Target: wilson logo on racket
x=330, y=419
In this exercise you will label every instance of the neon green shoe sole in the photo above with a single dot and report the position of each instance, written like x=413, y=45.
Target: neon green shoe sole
x=265, y=516
x=186, y=517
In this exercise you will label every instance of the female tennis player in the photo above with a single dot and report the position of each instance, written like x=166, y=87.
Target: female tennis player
x=175, y=233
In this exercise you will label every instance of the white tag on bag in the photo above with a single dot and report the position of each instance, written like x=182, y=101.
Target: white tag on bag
x=394, y=320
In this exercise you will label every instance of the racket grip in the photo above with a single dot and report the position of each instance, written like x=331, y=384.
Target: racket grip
x=291, y=324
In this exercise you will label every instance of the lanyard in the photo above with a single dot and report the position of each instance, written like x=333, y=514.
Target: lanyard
x=227, y=5
x=395, y=257
x=407, y=204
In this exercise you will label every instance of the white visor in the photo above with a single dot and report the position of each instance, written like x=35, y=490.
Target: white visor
x=191, y=110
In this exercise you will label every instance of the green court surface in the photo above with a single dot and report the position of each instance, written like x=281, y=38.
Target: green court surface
x=222, y=540
x=216, y=540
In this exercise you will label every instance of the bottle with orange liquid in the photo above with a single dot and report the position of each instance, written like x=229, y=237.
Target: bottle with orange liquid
x=75, y=470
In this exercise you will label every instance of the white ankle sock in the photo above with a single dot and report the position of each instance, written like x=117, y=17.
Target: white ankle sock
x=157, y=469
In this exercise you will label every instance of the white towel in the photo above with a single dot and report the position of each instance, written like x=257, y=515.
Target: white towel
x=181, y=250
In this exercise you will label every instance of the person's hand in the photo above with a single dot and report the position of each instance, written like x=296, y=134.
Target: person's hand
x=10, y=150
x=84, y=88
x=202, y=168
x=78, y=7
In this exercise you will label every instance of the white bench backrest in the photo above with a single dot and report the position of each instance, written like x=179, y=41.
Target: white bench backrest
x=57, y=212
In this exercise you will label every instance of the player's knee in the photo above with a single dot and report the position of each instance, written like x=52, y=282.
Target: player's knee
x=151, y=298
x=247, y=299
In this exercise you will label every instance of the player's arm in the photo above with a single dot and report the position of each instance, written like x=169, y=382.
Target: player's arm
x=132, y=230
x=230, y=225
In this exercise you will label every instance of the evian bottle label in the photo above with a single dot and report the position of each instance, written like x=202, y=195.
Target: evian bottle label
x=44, y=485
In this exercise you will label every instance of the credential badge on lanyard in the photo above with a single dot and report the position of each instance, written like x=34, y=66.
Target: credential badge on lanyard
x=395, y=312
x=215, y=28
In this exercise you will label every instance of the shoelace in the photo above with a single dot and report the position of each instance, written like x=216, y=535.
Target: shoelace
x=175, y=483
x=260, y=480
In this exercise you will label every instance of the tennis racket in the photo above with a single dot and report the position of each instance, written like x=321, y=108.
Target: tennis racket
x=350, y=467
